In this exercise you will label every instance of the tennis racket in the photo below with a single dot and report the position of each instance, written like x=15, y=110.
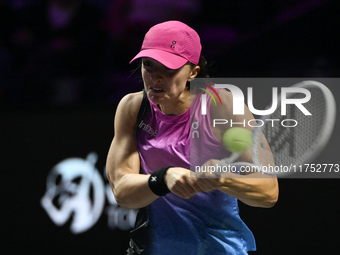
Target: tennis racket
x=289, y=141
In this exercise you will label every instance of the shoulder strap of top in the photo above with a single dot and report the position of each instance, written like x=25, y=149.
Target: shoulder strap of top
x=145, y=105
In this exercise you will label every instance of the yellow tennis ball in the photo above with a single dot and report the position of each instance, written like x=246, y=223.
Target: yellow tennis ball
x=237, y=139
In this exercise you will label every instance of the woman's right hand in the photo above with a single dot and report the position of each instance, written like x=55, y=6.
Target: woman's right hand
x=180, y=183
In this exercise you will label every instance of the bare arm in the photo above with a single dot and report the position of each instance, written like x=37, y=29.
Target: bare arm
x=130, y=188
x=254, y=189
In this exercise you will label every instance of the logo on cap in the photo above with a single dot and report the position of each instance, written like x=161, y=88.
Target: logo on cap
x=173, y=44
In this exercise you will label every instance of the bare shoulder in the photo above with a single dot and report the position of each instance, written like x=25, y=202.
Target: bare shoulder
x=129, y=105
x=225, y=95
x=224, y=109
x=132, y=100
x=223, y=114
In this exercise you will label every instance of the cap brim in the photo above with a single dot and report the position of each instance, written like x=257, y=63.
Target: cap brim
x=168, y=59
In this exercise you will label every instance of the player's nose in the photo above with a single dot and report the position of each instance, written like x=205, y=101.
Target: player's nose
x=156, y=76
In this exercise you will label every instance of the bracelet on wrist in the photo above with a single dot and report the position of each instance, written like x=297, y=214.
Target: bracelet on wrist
x=157, y=182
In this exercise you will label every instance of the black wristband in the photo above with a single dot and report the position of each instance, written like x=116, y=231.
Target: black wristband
x=157, y=183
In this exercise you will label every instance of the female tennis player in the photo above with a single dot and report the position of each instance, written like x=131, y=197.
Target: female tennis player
x=149, y=159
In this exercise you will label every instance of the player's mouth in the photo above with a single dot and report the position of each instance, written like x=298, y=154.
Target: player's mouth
x=156, y=90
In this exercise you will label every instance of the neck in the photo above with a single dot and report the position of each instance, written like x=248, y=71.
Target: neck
x=181, y=105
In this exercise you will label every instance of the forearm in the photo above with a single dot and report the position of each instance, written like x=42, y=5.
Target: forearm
x=254, y=189
x=132, y=191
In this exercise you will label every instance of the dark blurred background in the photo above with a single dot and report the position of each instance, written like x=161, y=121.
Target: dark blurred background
x=64, y=66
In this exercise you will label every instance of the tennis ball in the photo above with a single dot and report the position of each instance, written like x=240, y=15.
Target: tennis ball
x=237, y=139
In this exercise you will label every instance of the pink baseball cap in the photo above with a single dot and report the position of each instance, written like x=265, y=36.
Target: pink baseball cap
x=171, y=43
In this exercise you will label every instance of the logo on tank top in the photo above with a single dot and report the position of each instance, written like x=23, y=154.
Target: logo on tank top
x=147, y=128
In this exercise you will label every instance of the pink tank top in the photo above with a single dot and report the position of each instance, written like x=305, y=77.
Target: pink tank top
x=207, y=223
x=166, y=140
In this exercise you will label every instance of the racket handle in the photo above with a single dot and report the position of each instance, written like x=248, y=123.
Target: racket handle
x=233, y=157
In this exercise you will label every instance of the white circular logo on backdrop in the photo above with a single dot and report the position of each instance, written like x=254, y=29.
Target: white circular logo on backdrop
x=75, y=189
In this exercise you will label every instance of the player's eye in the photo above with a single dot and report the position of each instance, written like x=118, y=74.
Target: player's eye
x=171, y=71
x=147, y=63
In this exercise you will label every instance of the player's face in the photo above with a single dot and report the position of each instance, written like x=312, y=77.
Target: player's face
x=164, y=85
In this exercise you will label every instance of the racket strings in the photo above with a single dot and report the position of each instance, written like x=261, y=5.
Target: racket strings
x=294, y=136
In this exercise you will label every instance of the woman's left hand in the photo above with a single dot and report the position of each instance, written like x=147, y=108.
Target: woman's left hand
x=208, y=181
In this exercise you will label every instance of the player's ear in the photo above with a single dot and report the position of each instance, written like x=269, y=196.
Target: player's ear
x=193, y=73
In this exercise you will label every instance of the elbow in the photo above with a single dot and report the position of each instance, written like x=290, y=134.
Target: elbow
x=124, y=203
x=117, y=195
x=271, y=197
x=120, y=200
x=270, y=201
x=268, y=195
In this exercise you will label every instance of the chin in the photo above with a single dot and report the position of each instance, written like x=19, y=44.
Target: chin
x=156, y=97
